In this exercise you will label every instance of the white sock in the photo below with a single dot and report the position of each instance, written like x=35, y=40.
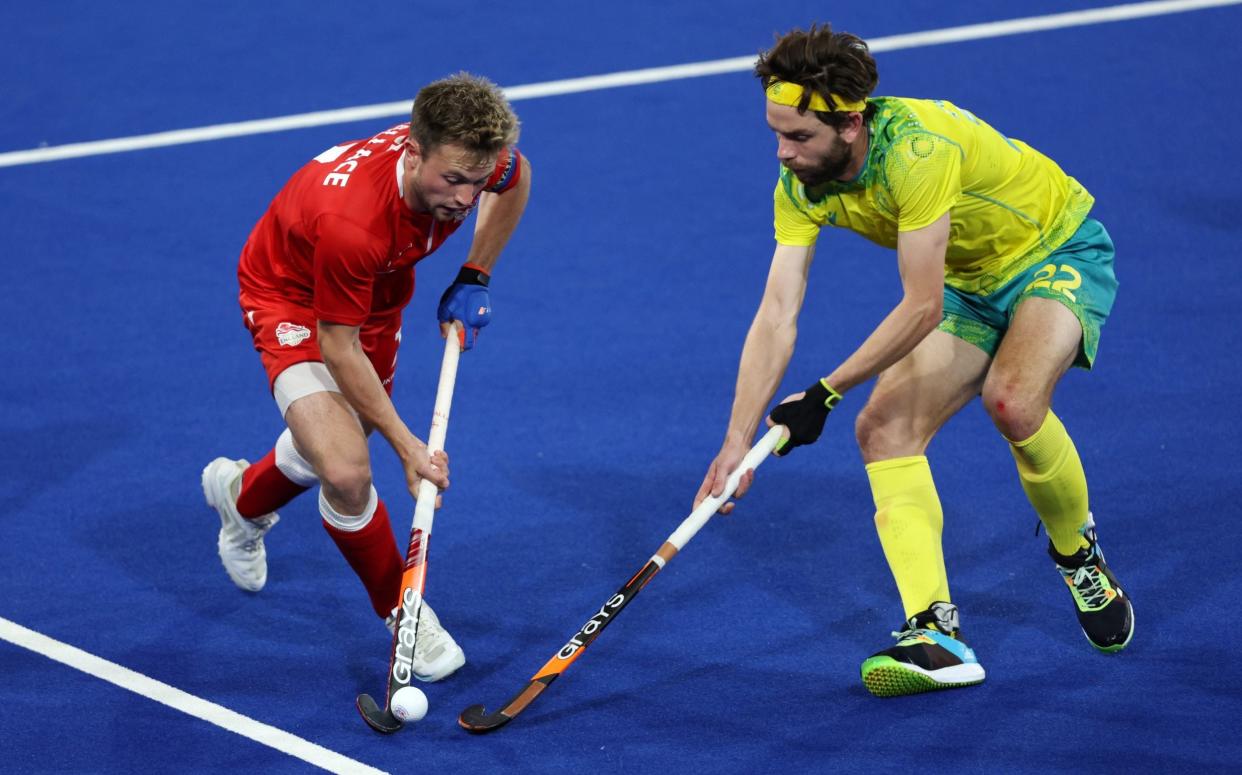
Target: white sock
x=345, y=523
x=291, y=464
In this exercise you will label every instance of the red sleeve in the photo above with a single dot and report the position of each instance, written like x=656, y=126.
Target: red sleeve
x=347, y=259
x=507, y=173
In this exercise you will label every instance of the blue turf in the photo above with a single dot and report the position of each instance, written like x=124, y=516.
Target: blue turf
x=586, y=417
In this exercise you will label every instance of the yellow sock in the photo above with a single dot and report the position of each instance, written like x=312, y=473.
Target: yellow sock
x=909, y=520
x=1052, y=475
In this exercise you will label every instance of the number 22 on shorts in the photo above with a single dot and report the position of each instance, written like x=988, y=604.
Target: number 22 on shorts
x=1043, y=279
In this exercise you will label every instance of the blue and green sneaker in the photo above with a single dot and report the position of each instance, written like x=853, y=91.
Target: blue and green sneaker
x=929, y=655
x=1104, y=610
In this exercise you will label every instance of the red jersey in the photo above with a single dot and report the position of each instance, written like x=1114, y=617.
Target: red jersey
x=340, y=240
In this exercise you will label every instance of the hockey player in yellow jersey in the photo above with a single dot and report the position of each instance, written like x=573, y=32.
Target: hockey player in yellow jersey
x=1006, y=283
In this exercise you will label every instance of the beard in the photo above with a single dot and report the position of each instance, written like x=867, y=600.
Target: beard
x=444, y=213
x=828, y=169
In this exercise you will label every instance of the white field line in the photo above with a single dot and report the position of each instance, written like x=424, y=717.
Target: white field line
x=595, y=82
x=175, y=698
x=1054, y=21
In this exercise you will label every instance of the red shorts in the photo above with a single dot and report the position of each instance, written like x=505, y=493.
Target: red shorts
x=284, y=334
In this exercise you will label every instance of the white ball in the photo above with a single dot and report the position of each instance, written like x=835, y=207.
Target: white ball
x=408, y=704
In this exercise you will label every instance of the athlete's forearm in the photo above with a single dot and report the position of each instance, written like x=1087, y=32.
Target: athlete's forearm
x=765, y=356
x=920, y=259
x=361, y=386
x=498, y=217
x=899, y=333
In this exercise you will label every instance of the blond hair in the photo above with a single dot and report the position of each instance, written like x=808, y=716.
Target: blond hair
x=466, y=110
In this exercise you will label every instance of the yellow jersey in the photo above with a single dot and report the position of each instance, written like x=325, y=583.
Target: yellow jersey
x=1010, y=206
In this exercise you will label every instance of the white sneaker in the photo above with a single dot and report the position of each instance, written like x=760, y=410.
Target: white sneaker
x=241, y=540
x=436, y=654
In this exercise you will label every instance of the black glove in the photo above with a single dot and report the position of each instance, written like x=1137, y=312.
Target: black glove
x=805, y=417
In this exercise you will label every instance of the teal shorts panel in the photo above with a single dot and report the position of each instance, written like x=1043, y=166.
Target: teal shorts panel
x=1079, y=274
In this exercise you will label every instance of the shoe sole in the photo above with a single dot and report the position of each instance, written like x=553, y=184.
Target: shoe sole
x=214, y=497
x=886, y=677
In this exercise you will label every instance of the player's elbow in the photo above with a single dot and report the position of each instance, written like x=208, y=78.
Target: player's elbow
x=777, y=333
x=778, y=318
x=335, y=341
x=926, y=309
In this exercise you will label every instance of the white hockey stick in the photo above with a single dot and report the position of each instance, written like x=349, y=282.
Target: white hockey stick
x=414, y=578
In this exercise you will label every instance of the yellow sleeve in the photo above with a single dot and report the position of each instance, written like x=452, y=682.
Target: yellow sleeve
x=925, y=177
x=793, y=226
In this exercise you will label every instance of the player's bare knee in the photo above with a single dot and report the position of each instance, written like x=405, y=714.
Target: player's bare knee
x=1017, y=414
x=881, y=436
x=347, y=486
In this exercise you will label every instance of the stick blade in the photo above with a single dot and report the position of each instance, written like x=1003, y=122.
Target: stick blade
x=476, y=719
x=379, y=719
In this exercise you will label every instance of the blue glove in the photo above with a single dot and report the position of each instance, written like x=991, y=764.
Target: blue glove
x=467, y=301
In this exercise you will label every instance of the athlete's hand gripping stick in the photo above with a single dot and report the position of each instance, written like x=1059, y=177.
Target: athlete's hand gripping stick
x=467, y=300
x=804, y=417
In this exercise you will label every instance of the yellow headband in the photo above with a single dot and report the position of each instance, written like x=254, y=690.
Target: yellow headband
x=785, y=93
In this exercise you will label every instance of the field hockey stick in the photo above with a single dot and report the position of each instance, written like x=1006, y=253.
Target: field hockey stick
x=477, y=719
x=414, y=577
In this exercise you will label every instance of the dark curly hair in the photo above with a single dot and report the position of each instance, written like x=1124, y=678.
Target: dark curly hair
x=825, y=62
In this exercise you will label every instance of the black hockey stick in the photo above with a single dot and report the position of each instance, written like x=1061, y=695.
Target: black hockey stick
x=477, y=719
